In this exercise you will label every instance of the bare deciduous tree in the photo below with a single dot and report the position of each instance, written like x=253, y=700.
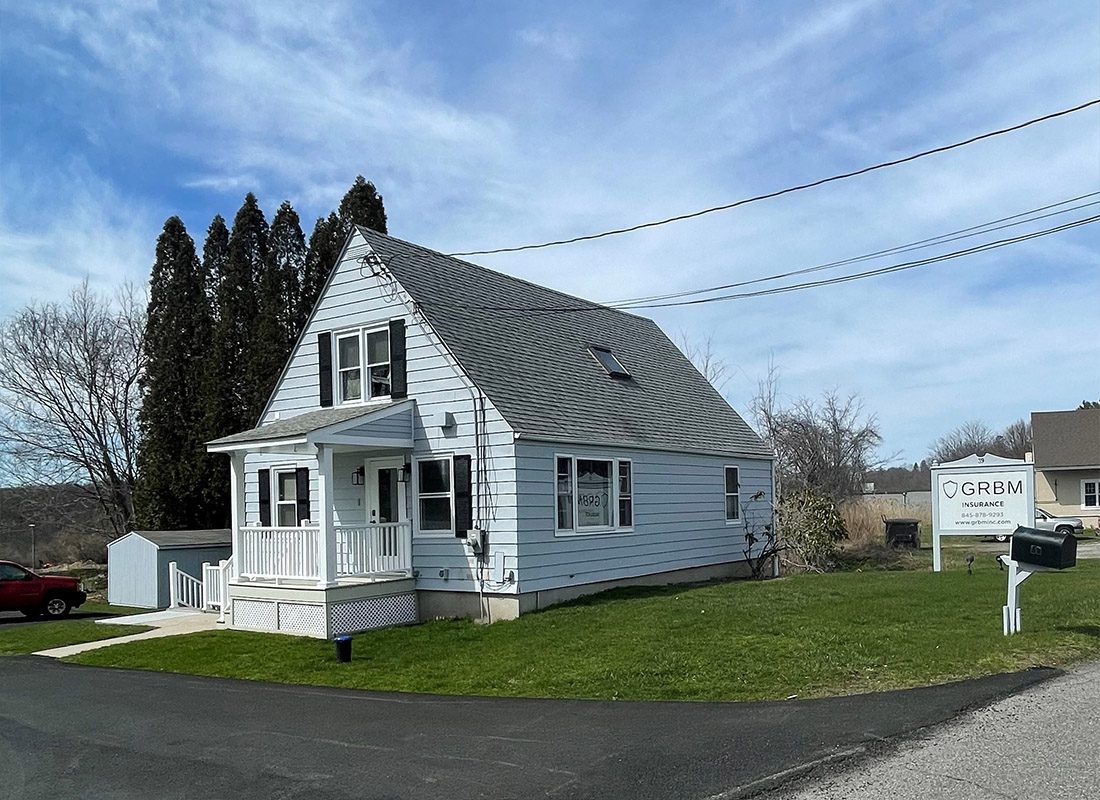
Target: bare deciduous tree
x=69, y=396
x=706, y=359
x=825, y=447
x=977, y=438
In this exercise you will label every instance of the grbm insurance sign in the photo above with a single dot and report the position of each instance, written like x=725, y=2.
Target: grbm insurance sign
x=982, y=502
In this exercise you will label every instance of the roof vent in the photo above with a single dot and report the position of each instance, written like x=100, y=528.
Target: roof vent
x=609, y=362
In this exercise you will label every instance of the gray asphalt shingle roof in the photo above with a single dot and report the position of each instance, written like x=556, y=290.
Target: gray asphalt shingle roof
x=1066, y=438
x=207, y=538
x=538, y=371
x=301, y=424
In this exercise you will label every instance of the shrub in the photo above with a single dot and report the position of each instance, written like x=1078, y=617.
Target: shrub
x=812, y=529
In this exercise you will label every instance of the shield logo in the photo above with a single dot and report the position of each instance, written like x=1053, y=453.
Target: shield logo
x=950, y=488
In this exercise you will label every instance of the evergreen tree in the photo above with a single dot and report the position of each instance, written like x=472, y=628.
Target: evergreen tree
x=230, y=404
x=171, y=451
x=325, y=244
x=362, y=205
x=213, y=478
x=215, y=255
x=276, y=326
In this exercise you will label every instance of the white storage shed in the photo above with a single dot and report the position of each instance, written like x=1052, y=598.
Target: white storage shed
x=137, y=563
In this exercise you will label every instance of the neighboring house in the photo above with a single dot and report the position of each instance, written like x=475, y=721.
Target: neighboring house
x=1067, y=463
x=436, y=448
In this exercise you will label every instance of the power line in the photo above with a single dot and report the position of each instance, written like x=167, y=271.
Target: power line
x=788, y=190
x=953, y=236
x=534, y=311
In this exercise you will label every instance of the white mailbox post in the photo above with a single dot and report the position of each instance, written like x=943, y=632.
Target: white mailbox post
x=980, y=496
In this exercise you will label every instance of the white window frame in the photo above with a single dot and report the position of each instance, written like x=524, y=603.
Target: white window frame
x=1096, y=486
x=613, y=500
x=276, y=471
x=434, y=533
x=726, y=495
x=365, y=397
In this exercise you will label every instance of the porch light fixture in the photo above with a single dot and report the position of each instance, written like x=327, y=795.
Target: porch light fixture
x=358, y=478
x=404, y=473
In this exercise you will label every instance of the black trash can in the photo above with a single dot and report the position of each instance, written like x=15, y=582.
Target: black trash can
x=902, y=531
x=343, y=649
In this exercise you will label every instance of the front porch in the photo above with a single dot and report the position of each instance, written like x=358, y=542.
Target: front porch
x=322, y=543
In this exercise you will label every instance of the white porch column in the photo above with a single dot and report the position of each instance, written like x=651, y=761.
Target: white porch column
x=326, y=553
x=236, y=505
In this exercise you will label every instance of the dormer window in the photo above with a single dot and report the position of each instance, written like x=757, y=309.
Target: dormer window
x=609, y=362
x=359, y=352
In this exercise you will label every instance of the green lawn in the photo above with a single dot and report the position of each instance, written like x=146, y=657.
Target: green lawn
x=19, y=638
x=809, y=635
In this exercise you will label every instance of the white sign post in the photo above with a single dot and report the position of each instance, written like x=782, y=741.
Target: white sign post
x=980, y=496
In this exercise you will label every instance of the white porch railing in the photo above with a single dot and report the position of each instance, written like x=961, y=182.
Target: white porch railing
x=279, y=553
x=293, y=554
x=183, y=589
x=372, y=549
x=215, y=586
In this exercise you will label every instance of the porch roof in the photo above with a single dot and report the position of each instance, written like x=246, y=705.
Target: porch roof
x=343, y=425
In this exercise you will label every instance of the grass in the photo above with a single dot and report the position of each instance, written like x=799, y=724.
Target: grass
x=807, y=635
x=19, y=637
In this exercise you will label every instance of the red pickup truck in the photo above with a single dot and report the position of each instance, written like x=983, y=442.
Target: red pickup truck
x=35, y=595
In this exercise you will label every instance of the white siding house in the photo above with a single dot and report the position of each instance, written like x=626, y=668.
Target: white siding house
x=446, y=440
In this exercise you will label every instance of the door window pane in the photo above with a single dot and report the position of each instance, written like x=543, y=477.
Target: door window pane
x=387, y=495
x=593, y=493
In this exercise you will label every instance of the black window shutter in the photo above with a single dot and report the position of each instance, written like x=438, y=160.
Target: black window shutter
x=464, y=501
x=264, y=477
x=301, y=478
x=324, y=367
x=399, y=381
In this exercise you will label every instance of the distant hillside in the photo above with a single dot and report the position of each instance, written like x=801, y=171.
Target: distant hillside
x=68, y=525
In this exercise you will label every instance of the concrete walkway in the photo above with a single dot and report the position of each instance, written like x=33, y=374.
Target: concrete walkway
x=164, y=623
x=1042, y=744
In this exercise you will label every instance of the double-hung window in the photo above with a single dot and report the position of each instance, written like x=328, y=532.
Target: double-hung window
x=349, y=366
x=435, y=495
x=1090, y=494
x=363, y=364
x=286, y=498
x=733, y=495
x=593, y=494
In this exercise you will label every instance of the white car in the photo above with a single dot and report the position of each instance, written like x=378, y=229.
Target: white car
x=1046, y=521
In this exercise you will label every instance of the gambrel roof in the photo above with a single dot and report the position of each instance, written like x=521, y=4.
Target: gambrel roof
x=539, y=372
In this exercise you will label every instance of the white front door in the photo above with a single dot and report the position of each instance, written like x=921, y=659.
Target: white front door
x=385, y=492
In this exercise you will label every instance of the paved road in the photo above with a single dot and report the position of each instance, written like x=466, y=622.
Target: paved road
x=69, y=731
x=1043, y=744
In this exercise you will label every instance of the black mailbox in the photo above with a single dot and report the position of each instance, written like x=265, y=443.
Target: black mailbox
x=1044, y=548
x=902, y=532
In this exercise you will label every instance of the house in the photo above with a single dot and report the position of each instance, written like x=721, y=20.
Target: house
x=138, y=563
x=1067, y=463
x=446, y=440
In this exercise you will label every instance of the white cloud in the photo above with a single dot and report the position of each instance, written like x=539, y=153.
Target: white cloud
x=629, y=120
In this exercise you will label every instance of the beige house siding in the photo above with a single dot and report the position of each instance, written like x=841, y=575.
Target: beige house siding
x=1059, y=492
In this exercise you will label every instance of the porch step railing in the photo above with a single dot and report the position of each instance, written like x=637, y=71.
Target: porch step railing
x=184, y=591
x=215, y=586
x=279, y=553
x=372, y=549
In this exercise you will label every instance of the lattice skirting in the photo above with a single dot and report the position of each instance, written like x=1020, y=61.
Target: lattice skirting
x=302, y=619
x=351, y=616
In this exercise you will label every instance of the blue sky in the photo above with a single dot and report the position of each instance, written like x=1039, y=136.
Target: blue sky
x=491, y=124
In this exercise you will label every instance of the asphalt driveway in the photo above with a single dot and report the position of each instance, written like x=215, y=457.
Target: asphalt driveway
x=70, y=731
